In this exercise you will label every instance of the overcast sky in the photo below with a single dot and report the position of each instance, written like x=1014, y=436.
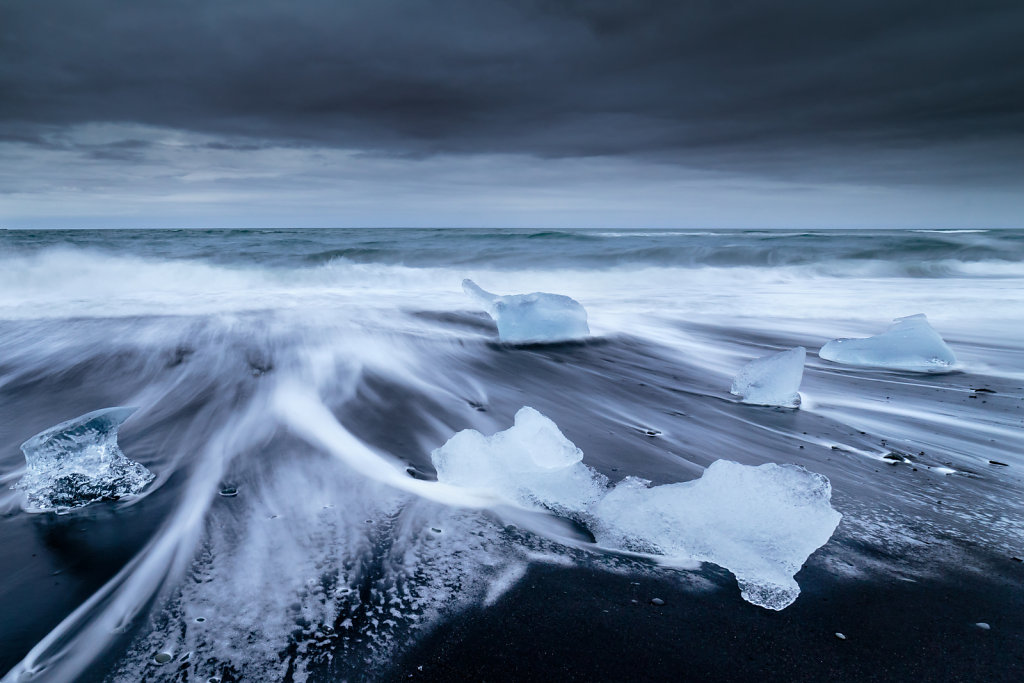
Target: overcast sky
x=542, y=113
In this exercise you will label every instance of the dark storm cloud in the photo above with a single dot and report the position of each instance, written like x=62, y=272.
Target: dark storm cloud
x=762, y=86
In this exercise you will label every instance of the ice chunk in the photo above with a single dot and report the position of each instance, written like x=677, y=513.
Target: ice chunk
x=910, y=343
x=536, y=317
x=773, y=380
x=761, y=523
x=78, y=462
x=531, y=463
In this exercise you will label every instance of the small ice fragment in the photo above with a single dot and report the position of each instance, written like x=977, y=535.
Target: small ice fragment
x=840, y=636
x=910, y=343
x=531, y=463
x=536, y=317
x=657, y=602
x=983, y=626
x=761, y=523
x=162, y=657
x=78, y=462
x=772, y=380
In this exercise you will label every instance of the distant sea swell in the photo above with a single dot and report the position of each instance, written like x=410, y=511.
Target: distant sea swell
x=552, y=249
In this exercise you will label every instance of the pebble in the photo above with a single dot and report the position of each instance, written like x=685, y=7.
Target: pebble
x=840, y=636
x=657, y=602
x=162, y=657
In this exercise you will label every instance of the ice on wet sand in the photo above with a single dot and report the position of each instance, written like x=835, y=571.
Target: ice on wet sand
x=531, y=463
x=536, y=317
x=910, y=343
x=761, y=523
x=773, y=380
x=78, y=462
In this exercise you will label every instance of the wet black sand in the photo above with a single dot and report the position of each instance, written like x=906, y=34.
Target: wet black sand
x=632, y=409
x=582, y=625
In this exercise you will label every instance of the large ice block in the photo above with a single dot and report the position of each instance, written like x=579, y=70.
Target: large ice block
x=761, y=523
x=78, y=462
x=910, y=343
x=536, y=317
x=772, y=380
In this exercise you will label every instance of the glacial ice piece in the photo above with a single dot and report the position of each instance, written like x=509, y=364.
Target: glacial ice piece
x=910, y=343
x=531, y=463
x=772, y=380
x=536, y=317
x=761, y=523
x=78, y=462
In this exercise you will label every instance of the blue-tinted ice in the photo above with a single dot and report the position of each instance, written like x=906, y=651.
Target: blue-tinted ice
x=536, y=317
x=531, y=463
x=761, y=523
x=910, y=343
x=773, y=380
x=78, y=462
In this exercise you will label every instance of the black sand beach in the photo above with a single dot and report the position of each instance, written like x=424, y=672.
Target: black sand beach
x=259, y=552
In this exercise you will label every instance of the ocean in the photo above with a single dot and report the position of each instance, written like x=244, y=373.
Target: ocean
x=285, y=380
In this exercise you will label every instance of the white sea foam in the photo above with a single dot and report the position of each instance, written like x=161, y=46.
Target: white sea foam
x=969, y=299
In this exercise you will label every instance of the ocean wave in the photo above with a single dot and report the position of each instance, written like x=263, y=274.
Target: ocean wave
x=951, y=232
x=71, y=283
x=511, y=249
